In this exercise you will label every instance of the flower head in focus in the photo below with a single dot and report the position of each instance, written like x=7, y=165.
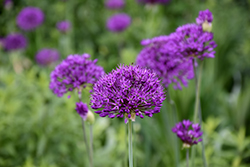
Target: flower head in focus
x=128, y=91
x=82, y=110
x=114, y=4
x=76, y=71
x=188, y=132
x=47, y=56
x=29, y=18
x=14, y=41
x=63, y=26
x=161, y=54
x=118, y=22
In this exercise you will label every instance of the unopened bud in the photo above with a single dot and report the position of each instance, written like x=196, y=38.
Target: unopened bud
x=90, y=118
x=207, y=26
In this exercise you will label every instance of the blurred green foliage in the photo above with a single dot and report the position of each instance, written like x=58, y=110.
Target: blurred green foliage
x=39, y=129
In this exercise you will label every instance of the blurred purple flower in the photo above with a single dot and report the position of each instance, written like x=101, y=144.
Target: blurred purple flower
x=161, y=54
x=8, y=4
x=63, y=26
x=47, y=56
x=188, y=136
x=153, y=1
x=128, y=91
x=76, y=71
x=29, y=18
x=118, y=22
x=114, y=4
x=204, y=16
x=14, y=41
x=82, y=110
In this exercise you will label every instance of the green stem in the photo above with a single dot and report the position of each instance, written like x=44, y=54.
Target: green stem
x=176, y=147
x=91, y=145
x=130, y=145
x=187, y=157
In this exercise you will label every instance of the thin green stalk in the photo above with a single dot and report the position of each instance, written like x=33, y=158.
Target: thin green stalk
x=187, y=157
x=197, y=112
x=176, y=147
x=130, y=145
x=91, y=144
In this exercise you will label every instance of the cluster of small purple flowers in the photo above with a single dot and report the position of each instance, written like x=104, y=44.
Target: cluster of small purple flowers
x=47, y=56
x=128, y=91
x=171, y=56
x=82, y=109
x=76, y=71
x=187, y=135
x=14, y=42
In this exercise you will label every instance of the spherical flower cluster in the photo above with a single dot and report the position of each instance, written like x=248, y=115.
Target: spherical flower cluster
x=204, y=16
x=186, y=134
x=153, y=1
x=47, y=56
x=118, y=22
x=196, y=42
x=14, y=42
x=161, y=54
x=82, y=110
x=128, y=91
x=30, y=18
x=114, y=4
x=76, y=71
x=63, y=26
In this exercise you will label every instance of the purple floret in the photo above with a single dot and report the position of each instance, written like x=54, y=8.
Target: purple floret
x=29, y=18
x=188, y=135
x=82, y=109
x=47, y=56
x=161, y=54
x=63, y=26
x=14, y=41
x=76, y=71
x=114, y=4
x=204, y=16
x=128, y=91
x=118, y=22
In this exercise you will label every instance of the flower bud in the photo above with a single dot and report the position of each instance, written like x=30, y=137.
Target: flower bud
x=90, y=118
x=207, y=26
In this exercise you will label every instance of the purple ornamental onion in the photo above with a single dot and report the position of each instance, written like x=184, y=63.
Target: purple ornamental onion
x=76, y=71
x=14, y=41
x=153, y=1
x=188, y=135
x=114, y=4
x=47, y=56
x=63, y=26
x=30, y=18
x=204, y=16
x=82, y=110
x=118, y=22
x=196, y=42
x=128, y=91
x=161, y=54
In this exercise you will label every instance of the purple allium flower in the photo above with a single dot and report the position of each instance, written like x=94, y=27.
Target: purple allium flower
x=196, y=42
x=128, y=91
x=82, y=110
x=204, y=16
x=114, y=4
x=14, y=42
x=153, y=1
x=76, y=71
x=161, y=54
x=30, y=18
x=63, y=26
x=118, y=22
x=47, y=56
x=188, y=135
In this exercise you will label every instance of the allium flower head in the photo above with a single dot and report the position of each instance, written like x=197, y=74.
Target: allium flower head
x=195, y=42
x=30, y=18
x=128, y=91
x=114, y=4
x=47, y=56
x=188, y=132
x=161, y=54
x=204, y=16
x=82, y=110
x=15, y=42
x=153, y=1
x=118, y=22
x=76, y=71
x=63, y=26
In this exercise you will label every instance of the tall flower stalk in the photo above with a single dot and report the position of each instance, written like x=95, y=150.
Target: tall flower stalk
x=130, y=143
